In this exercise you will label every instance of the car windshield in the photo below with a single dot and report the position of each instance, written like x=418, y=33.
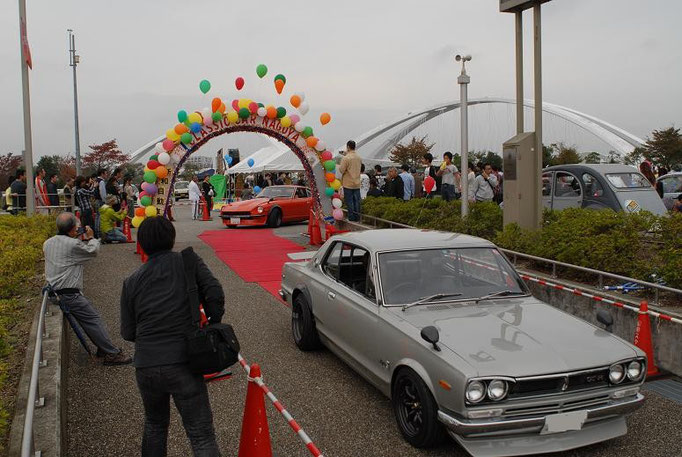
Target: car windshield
x=442, y=274
x=181, y=185
x=672, y=184
x=276, y=192
x=628, y=180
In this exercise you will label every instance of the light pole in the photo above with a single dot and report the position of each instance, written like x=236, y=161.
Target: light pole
x=28, y=138
x=74, y=59
x=463, y=81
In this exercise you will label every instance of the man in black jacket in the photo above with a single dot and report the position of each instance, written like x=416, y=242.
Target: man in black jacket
x=394, y=185
x=155, y=315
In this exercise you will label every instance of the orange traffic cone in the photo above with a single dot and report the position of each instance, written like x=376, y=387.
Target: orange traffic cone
x=138, y=249
x=255, y=437
x=143, y=256
x=643, y=338
x=315, y=233
x=206, y=215
x=126, y=230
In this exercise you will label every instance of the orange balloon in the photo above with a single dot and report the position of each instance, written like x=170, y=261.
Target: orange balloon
x=330, y=177
x=295, y=101
x=221, y=108
x=180, y=129
x=215, y=104
x=311, y=141
x=272, y=111
x=279, y=86
x=161, y=172
x=139, y=212
x=325, y=118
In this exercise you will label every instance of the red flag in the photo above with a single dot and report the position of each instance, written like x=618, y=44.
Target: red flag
x=24, y=45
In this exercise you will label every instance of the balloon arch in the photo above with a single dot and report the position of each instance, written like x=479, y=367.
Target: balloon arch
x=195, y=129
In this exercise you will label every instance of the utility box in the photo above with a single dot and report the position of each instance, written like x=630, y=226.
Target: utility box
x=522, y=166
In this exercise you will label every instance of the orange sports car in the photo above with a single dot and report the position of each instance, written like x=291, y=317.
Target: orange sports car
x=272, y=206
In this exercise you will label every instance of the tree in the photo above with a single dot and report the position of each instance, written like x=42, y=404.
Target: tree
x=134, y=170
x=664, y=148
x=565, y=154
x=547, y=156
x=635, y=157
x=188, y=170
x=614, y=157
x=592, y=157
x=411, y=153
x=105, y=155
x=9, y=164
x=485, y=157
x=63, y=167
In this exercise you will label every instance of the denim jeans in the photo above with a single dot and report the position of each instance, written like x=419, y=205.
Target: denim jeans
x=157, y=385
x=352, y=197
x=116, y=234
x=448, y=192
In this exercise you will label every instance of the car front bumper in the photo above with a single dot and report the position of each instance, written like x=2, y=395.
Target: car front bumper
x=244, y=220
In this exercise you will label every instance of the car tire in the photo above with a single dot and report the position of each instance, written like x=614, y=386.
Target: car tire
x=415, y=409
x=303, y=325
x=275, y=218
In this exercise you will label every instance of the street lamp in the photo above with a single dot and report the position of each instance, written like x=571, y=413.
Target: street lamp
x=463, y=81
x=74, y=60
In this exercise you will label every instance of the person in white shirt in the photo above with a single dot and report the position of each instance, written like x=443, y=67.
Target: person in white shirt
x=194, y=196
x=448, y=173
x=364, y=182
x=484, y=185
x=471, y=182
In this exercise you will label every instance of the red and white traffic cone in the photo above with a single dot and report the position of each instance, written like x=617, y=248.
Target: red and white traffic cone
x=205, y=216
x=255, y=437
x=126, y=230
x=643, y=338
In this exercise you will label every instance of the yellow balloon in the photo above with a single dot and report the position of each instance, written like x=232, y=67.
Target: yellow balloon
x=195, y=117
x=172, y=135
x=232, y=117
x=285, y=121
x=137, y=220
x=150, y=211
x=243, y=102
x=336, y=184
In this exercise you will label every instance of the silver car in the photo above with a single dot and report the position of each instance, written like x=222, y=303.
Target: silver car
x=443, y=325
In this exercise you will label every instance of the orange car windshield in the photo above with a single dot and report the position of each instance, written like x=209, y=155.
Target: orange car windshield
x=276, y=192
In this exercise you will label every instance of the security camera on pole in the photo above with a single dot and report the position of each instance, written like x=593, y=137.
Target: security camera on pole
x=463, y=81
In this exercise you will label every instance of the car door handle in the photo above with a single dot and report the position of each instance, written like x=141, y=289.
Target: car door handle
x=331, y=295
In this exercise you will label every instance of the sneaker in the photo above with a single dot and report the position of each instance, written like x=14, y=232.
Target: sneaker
x=119, y=358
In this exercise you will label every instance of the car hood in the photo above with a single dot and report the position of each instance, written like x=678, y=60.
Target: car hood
x=646, y=199
x=519, y=337
x=245, y=205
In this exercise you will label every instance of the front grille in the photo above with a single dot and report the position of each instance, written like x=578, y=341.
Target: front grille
x=569, y=382
x=554, y=406
x=236, y=213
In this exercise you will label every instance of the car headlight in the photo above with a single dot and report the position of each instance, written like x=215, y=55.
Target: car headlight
x=260, y=209
x=634, y=370
x=497, y=389
x=475, y=392
x=616, y=373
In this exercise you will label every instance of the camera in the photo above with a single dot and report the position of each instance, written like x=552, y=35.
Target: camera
x=81, y=231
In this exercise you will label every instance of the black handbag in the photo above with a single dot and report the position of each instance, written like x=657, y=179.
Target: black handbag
x=212, y=348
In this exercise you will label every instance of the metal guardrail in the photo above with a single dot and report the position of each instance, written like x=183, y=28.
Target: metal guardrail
x=554, y=263
x=34, y=399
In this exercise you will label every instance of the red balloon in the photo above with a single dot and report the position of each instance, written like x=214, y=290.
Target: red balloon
x=253, y=107
x=239, y=83
x=235, y=105
x=153, y=164
x=326, y=155
x=429, y=184
x=337, y=195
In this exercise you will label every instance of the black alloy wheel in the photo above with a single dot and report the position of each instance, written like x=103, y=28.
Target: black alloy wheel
x=416, y=410
x=303, y=325
x=275, y=218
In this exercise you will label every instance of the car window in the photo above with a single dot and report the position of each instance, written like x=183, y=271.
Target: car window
x=672, y=184
x=331, y=263
x=301, y=193
x=566, y=185
x=353, y=268
x=546, y=184
x=592, y=186
x=276, y=192
x=632, y=180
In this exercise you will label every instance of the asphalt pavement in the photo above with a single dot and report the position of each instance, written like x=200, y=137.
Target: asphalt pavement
x=344, y=415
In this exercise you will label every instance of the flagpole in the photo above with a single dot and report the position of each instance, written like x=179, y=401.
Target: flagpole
x=28, y=140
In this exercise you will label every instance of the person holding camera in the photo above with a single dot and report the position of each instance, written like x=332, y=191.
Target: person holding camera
x=65, y=256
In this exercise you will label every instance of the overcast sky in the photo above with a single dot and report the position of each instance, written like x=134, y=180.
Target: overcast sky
x=365, y=62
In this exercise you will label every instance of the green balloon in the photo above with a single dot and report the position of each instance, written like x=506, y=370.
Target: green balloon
x=261, y=70
x=281, y=76
x=146, y=200
x=329, y=165
x=244, y=113
x=154, y=157
x=329, y=191
x=308, y=131
x=281, y=112
x=182, y=115
x=149, y=176
x=204, y=86
x=260, y=105
x=186, y=138
x=216, y=116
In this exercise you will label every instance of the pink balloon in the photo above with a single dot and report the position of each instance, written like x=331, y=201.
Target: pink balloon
x=338, y=214
x=235, y=105
x=168, y=145
x=144, y=185
x=294, y=119
x=143, y=193
x=253, y=107
x=326, y=155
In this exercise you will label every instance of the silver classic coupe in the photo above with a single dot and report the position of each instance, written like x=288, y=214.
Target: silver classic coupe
x=443, y=325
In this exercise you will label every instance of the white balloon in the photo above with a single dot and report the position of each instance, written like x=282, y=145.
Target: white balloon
x=164, y=158
x=337, y=203
x=158, y=148
x=299, y=127
x=320, y=146
x=301, y=95
x=262, y=112
x=303, y=108
x=206, y=113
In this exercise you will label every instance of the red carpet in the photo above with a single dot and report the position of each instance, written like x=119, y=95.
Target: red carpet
x=256, y=255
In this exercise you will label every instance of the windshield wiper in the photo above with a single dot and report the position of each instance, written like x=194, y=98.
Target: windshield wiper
x=430, y=298
x=501, y=293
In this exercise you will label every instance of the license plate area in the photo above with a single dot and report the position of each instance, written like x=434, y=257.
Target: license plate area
x=235, y=220
x=564, y=422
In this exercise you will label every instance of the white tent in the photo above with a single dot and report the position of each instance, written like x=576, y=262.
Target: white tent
x=276, y=157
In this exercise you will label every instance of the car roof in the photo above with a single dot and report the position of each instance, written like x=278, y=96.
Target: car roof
x=672, y=174
x=601, y=168
x=390, y=239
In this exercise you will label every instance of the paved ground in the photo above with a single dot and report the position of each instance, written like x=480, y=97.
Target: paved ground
x=344, y=415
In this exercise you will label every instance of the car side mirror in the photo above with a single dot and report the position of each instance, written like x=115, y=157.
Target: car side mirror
x=605, y=318
x=431, y=335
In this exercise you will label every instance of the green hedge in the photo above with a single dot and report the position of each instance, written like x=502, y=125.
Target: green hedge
x=636, y=245
x=21, y=242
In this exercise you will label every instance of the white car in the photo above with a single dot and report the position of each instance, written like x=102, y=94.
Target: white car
x=181, y=190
